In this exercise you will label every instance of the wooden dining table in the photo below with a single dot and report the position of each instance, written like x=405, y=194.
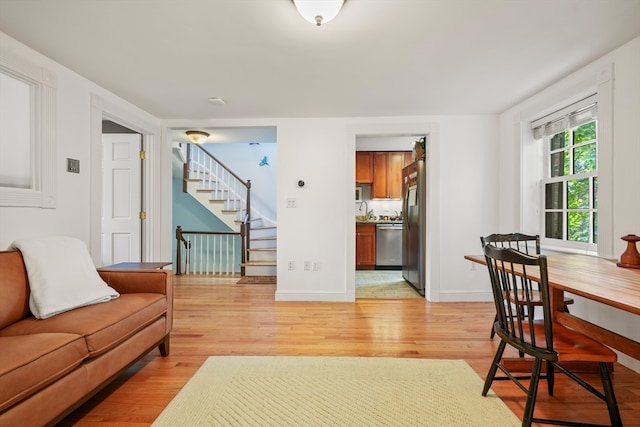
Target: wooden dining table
x=596, y=279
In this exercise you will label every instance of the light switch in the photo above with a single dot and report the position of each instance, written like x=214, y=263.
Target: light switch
x=73, y=165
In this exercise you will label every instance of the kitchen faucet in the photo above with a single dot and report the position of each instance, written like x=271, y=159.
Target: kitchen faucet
x=368, y=213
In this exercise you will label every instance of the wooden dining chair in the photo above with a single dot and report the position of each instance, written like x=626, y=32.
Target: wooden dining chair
x=528, y=244
x=542, y=339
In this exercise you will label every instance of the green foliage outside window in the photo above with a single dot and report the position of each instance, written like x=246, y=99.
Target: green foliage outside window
x=573, y=159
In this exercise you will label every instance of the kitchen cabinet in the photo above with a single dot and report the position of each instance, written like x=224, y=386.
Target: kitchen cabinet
x=387, y=173
x=364, y=167
x=407, y=158
x=365, y=246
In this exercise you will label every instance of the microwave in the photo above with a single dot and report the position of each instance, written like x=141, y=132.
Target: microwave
x=358, y=194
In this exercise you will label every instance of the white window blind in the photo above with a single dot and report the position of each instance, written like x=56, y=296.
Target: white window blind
x=573, y=115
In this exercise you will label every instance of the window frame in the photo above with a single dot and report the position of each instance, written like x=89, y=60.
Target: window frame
x=43, y=84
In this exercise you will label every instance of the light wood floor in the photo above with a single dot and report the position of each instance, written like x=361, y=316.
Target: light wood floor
x=218, y=317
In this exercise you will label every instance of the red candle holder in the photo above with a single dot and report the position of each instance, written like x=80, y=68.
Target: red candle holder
x=630, y=258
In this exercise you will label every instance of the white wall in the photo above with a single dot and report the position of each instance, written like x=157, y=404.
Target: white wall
x=618, y=75
x=72, y=216
x=322, y=153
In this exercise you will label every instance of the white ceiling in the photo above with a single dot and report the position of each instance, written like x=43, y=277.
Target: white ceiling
x=376, y=58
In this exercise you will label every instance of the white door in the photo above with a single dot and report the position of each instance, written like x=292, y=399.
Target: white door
x=121, y=198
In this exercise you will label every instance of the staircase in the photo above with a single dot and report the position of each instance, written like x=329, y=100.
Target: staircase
x=228, y=197
x=262, y=252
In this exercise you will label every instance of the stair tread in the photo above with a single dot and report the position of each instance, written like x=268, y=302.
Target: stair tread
x=258, y=263
x=262, y=238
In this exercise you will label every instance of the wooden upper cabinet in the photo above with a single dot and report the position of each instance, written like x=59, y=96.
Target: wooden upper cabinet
x=379, y=188
x=387, y=174
x=364, y=167
x=394, y=181
x=407, y=158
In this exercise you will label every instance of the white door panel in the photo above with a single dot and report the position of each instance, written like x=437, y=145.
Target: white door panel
x=121, y=178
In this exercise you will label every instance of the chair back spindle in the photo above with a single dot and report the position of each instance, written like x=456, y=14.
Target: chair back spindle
x=512, y=291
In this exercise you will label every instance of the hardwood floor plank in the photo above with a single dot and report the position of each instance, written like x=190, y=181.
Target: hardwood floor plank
x=219, y=317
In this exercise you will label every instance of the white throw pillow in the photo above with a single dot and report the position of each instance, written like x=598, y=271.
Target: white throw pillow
x=61, y=275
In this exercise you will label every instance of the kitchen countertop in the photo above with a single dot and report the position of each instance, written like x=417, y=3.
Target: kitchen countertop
x=378, y=221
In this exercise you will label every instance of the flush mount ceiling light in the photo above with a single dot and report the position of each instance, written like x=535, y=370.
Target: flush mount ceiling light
x=197, y=136
x=217, y=101
x=318, y=11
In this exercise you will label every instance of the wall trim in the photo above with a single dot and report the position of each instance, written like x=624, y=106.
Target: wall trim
x=102, y=109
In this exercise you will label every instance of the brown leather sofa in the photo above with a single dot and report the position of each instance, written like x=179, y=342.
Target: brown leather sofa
x=49, y=367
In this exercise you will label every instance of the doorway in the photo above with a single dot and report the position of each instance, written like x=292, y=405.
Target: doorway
x=249, y=153
x=122, y=184
x=385, y=281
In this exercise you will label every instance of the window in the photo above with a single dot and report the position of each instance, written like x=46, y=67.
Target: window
x=570, y=185
x=27, y=133
x=15, y=132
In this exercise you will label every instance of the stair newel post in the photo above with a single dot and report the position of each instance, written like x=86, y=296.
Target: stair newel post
x=243, y=247
x=248, y=216
x=178, y=250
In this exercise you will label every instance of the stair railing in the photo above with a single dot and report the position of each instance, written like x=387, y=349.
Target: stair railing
x=224, y=185
x=210, y=252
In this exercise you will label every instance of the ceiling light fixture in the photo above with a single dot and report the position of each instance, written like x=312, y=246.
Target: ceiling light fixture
x=217, y=101
x=197, y=136
x=318, y=11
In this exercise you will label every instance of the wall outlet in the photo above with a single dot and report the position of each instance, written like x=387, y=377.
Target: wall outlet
x=315, y=266
x=307, y=265
x=291, y=202
x=291, y=265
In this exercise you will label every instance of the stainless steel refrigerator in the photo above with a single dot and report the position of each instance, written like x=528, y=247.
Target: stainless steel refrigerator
x=414, y=232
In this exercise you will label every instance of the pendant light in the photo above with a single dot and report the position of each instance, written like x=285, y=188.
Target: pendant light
x=318, y=11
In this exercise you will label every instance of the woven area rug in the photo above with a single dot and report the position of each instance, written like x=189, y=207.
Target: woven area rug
x=257, y=280
x=396, y=290
x=335, y=391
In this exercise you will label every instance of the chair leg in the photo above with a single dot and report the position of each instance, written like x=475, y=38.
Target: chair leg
x=551, y=374
x=610, y=397
x=494, y=367
x=493, y=332
x=527, y=417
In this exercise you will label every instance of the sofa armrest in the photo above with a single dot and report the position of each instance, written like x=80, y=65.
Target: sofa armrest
x=137, y=281
x=143, y=281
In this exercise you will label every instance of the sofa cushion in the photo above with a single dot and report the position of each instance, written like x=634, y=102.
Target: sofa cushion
x=29, y=363
x=14, y=288
x=103, y=326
